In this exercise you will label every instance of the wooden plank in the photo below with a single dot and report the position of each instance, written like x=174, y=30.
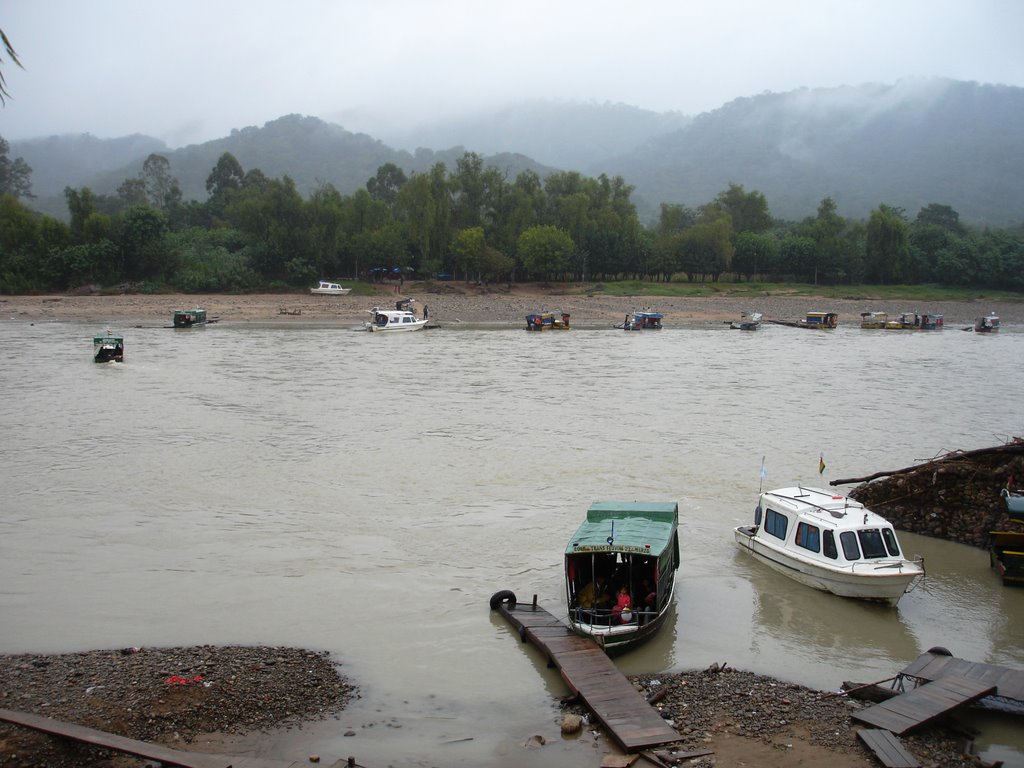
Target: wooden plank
x=931, y=667
x=588, y=672
x=923, y=704
x=144, y=749
x=887, y=748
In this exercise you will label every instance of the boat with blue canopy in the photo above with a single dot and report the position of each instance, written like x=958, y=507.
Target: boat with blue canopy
x=642, y=321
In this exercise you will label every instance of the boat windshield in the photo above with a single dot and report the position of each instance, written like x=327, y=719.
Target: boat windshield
x=890, y=542
x=871, y=543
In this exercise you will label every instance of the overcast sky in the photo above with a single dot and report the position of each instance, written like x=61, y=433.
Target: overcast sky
x=192, y=70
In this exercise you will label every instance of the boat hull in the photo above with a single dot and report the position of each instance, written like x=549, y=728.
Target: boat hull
x=402, y=328
x=881, y=582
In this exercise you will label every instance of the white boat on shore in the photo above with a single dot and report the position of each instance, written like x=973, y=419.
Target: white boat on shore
x=829, y=542
x=327, y=288
x=396, y=320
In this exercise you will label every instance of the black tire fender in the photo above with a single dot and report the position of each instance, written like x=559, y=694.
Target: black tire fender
x=504, y=596
x=938, y=650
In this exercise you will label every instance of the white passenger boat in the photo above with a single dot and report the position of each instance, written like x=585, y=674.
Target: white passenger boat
x=330, y=289
x=401, y=318
x=829, y=542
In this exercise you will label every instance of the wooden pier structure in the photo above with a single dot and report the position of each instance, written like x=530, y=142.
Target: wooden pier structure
x=144, y=749
x=626, y=715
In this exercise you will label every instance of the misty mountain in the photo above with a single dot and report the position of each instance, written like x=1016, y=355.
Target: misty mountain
x=906, y=145
x=568, y=135
x=78, y=160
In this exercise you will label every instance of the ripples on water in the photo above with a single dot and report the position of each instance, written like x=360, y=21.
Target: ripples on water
x=297, y=485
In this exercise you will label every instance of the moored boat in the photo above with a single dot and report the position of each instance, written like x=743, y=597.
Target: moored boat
x=912, y=321
x=642, y=321
x=747, y=322
x=396, y=320
x=1014, y=504
x=817, y=320
x=108, y=348
x=829, y=542
x=873, y=320
x=987, y=324
x=187, y=318
x=620, y=571
x=547, y=321
x=327, y=288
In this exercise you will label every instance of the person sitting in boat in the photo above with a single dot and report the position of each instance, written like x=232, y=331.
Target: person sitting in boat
x=622, y=613
x=647, y=598
x=594, y=595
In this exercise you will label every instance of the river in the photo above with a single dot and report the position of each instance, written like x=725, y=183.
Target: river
x=365, y=494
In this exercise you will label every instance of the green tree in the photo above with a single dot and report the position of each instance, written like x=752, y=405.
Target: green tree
x=755, y=254
x=748, y=211
x=144, y=254
x=386, y=185
x=545, y=251
x=468, y=248
x=887, y=252
x=14, y=174
x=162, y=189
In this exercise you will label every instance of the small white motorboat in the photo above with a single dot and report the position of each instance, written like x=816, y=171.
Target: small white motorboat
x=330, y=289
x=829, y=542
x=747, y=322
x=401, y=318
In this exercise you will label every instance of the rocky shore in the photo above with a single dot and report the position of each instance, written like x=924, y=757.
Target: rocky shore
x=179, y=696
x=454, y=304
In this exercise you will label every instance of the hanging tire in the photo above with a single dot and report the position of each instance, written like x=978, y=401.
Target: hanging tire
x=938, y=650
x=504, y=596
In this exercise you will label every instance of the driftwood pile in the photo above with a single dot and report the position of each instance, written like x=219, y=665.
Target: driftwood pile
x=956, y=496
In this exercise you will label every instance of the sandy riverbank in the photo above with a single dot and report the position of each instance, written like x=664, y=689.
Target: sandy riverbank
x=458, y=305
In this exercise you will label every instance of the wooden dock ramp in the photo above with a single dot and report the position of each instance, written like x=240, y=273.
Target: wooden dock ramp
x=143, y=749
x=629, y=719
x=887, y=748
x=937, y=663
x=923, y=704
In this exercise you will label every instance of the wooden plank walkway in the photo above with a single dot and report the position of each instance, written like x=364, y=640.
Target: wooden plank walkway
x=923, y=704
x=934, y=666
x=887, y=748
x=143, y=749
x=632, y=722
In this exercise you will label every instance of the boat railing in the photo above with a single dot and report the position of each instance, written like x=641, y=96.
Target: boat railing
x=609, y=617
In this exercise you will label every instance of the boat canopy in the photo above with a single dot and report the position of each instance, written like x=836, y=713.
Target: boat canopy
x=642, y=527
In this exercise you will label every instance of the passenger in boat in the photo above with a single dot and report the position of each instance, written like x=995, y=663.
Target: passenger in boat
x=648, y=598
x=622, y=603
x=594, y=594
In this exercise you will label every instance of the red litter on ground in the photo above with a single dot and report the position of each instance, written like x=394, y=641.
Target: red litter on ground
x=179, y=680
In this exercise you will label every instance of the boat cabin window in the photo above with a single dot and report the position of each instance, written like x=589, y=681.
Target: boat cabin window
x=808, y=537
x=871, y=543
x=890, y=542
x=776, y=524
x=830, y=546
x=851, y=549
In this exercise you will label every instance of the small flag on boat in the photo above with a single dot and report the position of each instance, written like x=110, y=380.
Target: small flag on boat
x=821, y=464
x=764, y=469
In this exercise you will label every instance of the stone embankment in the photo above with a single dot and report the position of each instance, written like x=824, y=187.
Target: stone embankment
x=956, y=496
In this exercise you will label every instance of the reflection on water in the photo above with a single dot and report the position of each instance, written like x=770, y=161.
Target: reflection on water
x=366, y=494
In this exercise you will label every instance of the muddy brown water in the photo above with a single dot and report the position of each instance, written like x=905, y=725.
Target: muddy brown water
x=366, y=494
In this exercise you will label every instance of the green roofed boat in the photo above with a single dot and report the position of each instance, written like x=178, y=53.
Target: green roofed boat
x=620, y=571
x=108, y=348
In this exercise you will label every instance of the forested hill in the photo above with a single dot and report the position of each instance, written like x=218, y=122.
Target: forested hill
x=906, y=145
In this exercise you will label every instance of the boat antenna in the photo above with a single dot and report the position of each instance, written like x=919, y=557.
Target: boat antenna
x=763, y=475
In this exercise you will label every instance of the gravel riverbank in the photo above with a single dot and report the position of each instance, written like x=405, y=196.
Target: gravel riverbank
x=180, y=696
x=454, y=304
